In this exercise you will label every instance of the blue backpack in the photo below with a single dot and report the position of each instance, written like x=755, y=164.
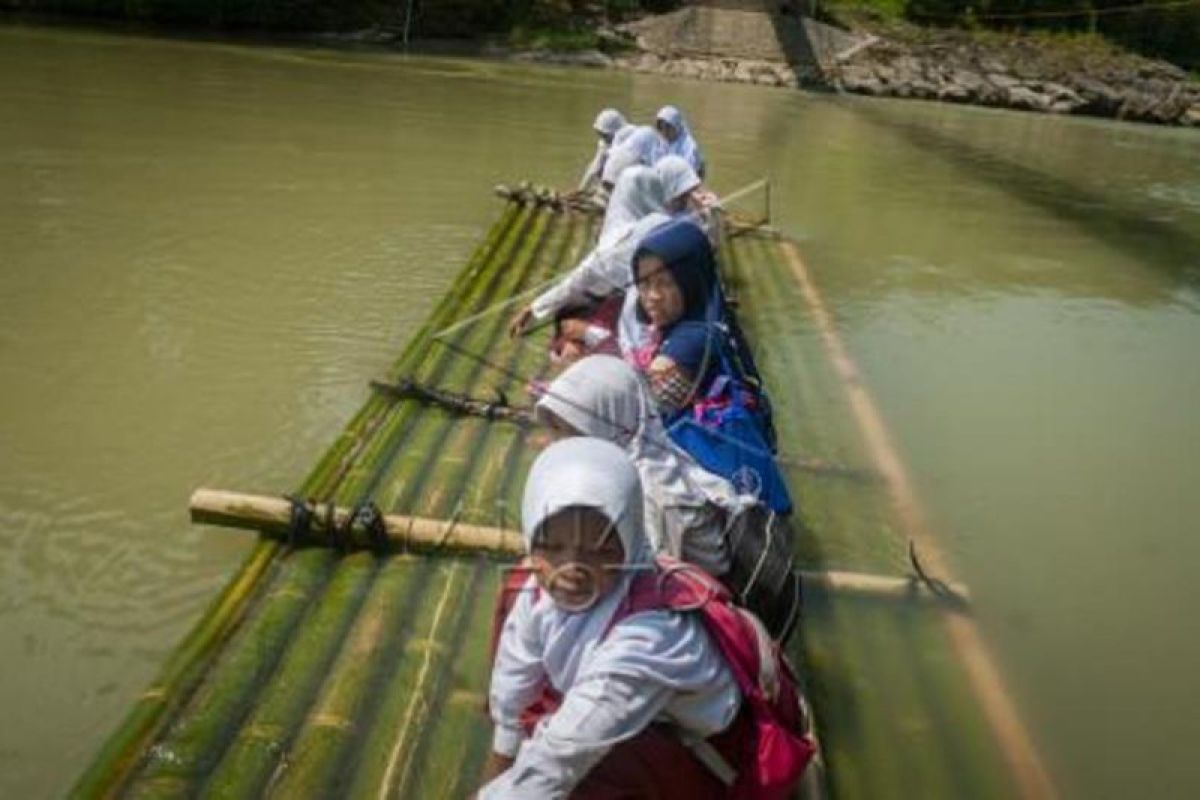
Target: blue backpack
x=728, y=432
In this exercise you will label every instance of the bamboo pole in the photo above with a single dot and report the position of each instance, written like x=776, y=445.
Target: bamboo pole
x=314, y=758
x=322, y=750
x=385, y=755
x=469, y=455
x=246, y=765
x=185, y=668
x=476, y=293
x=325, y=749
x=453, y=754
x=251, y=765
x=271, y=515
x=181, y=674
x=436, y=360
x=1032, y=778
x=186, y=751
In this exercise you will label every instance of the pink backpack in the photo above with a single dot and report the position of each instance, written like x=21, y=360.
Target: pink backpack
x=771, y=743
x=773, y=762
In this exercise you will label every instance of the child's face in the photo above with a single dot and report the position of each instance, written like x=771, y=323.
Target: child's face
x=577, y=557
x=658, y=292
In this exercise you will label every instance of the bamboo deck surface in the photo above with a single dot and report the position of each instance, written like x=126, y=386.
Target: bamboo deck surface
x=318, y=673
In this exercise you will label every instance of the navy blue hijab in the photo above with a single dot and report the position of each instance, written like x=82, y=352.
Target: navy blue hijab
x=688, y=255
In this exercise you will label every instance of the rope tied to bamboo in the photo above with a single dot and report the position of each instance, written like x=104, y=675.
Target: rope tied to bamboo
x=368, y=515
x=300, y=514
x=333, y=531
x=936, y=586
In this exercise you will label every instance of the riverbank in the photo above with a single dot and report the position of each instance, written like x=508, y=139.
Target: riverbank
x=1054, y=73
x=880, y=57
x=862, y=54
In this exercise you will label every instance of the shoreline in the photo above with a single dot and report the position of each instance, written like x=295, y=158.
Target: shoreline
x=1021, y=72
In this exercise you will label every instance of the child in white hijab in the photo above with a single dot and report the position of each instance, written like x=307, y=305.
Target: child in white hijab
x=637, y=207
x=640, y=146
x=679, y=181
x=608, y=123
x=613, y=681
x=677, y=138
x=639, y=191
x=691, y=513
x=685, y=195
x=686, y=507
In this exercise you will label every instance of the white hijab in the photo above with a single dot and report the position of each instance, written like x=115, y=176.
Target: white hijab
x=604, y=396
x=638, y=147
x=590, y=473
x=541, y=641
x=677, y=176
x=639, y=192
x=608, y=122
x=685, y=144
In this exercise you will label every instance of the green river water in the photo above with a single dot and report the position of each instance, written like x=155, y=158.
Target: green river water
x=206, y=250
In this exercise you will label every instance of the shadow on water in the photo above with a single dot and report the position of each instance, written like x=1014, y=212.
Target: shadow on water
x=1160, y=245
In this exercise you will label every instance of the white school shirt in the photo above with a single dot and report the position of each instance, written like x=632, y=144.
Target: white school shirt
x=652, y=666
x=607, y=269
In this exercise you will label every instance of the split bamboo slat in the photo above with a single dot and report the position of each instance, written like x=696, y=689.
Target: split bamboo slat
x=344, y=670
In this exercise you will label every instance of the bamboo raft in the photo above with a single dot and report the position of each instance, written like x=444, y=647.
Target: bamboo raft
x=360, y=669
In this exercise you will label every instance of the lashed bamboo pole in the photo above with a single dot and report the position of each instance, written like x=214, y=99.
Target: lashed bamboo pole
x=246, y=766
x=186, y=752
x=272, y=515
x=326, y=750
x=1032, y=778
x=186, y=666
x=429, y=360
x=449, y=755
x=182, y=673
x=384, y=757
x=870, y=655
x=469, y=455
x=344, y=603
x=312, y=763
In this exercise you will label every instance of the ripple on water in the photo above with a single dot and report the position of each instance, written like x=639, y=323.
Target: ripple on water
x=97, y=567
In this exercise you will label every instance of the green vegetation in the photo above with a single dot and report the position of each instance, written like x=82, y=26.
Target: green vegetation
x=1168, y=29
x=565, y=23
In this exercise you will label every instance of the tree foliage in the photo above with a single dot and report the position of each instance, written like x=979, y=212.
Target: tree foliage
x=1167, y=29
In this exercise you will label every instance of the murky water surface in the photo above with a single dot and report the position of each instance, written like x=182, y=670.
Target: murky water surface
x=207, y=250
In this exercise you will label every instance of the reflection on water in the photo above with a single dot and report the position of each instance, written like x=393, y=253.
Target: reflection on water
x=209, y=250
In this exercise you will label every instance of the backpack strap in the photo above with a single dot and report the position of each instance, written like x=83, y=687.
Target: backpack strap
x=516, y=580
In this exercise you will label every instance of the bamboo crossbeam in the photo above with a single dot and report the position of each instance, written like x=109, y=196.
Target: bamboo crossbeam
x=1023, y=759
x=272, y=515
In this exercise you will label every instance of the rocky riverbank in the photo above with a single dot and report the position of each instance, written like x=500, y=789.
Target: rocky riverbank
x=1053, y=74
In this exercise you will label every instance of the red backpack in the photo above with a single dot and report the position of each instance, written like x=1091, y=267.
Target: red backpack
x=772, y=762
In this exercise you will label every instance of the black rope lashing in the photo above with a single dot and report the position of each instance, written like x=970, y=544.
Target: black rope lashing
x=300, y=514
x=368, y=515
x=937, y=587
x=332, y=532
